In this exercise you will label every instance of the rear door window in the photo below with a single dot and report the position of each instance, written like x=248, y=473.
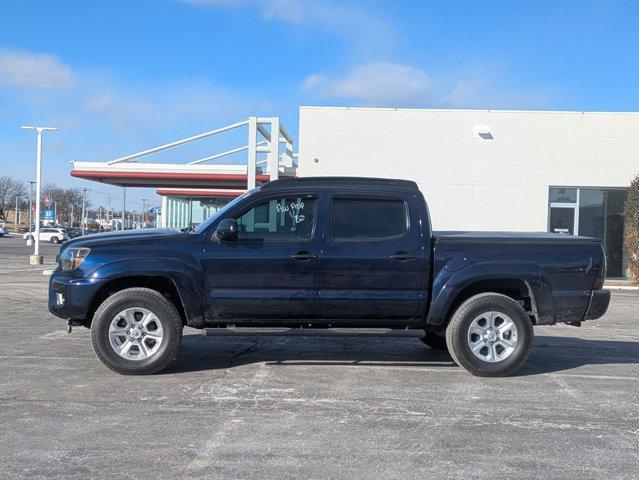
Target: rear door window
x=359, y=219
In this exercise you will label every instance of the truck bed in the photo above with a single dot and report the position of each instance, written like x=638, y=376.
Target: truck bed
x=559, y=270
x=517, y=237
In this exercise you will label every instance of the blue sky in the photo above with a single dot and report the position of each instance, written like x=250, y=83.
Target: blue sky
x=119, y=76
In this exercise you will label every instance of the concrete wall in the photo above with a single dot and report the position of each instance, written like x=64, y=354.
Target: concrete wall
x=472, y=183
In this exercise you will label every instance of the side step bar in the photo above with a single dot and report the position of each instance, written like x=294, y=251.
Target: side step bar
x=313, y=332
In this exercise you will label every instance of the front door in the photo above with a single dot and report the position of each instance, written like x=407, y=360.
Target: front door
x=272, y=270
x=372, y=262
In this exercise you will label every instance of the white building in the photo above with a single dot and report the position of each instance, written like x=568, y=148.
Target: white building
x=489, y=170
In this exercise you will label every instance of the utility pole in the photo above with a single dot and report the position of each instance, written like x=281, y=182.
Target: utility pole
x=16, y=219
x=36, y=258
x=55, y=212
x=71, y=216
x=83, y=222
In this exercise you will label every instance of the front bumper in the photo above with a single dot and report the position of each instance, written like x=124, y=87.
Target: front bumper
x=599, y=301
x=71, y=297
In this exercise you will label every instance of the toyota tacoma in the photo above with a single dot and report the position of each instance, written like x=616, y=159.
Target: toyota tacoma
x=326, y=256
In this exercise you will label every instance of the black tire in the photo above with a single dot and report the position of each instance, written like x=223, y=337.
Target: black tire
x=148, y=299
x=30, y=237
x=457, y=334
x=54, y=240
x=435, y=341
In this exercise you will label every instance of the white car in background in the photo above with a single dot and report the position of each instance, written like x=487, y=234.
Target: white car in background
x=49, y=234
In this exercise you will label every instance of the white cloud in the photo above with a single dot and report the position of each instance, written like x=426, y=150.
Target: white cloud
x=19, y=68
x=368, y=35
x=386, y=84
x=375, y=84
x=486, y=92
x=284, y=10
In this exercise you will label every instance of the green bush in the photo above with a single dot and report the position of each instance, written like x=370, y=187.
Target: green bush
x=631, y=236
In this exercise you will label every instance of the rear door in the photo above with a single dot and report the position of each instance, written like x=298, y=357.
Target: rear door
x=372, y=259
x=272, y=270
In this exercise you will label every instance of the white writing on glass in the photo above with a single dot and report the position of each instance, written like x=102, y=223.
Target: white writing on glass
x=293, y=209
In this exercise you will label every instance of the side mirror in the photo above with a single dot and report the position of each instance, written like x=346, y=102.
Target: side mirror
x=226, y=230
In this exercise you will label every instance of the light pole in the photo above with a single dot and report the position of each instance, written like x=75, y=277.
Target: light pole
x=36, y=258
x=123, y=205
x=29, y=241
x=144, y=213
x=83, y=222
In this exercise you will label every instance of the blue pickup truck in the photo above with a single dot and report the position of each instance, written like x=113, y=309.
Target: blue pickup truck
x=326, y=256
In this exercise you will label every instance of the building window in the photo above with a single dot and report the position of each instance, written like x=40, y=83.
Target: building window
x=592, y=212
x=183, y=212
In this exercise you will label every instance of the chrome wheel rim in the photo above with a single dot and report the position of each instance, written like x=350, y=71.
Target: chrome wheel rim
x=135, y=333
x=492, y=337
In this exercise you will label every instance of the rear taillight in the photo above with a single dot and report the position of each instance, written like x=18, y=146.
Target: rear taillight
x=601, y=277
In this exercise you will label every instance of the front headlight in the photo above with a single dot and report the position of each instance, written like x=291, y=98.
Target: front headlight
x=72, y=258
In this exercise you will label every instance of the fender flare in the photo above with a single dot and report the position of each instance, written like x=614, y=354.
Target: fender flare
x=448, y=285
x=185, y=279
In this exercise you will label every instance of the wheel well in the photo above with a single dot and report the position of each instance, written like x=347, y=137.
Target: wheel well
x=163, y=285
x=516, y=289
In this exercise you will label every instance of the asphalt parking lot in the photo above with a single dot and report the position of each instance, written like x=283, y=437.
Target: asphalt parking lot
x=311, y=408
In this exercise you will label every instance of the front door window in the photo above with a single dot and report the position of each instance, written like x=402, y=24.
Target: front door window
x=285, y=218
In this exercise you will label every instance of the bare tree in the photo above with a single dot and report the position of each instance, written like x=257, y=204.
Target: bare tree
x=9, y=190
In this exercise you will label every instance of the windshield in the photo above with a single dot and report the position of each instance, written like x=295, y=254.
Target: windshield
x=204, y=225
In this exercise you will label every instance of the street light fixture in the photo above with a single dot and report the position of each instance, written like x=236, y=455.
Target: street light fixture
x=36, y=258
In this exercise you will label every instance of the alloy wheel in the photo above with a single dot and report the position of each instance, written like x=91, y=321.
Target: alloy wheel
x=135, y=333
x=492, y=337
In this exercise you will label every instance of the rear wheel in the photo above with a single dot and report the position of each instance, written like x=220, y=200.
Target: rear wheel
x=136, y=331
x=490, y=335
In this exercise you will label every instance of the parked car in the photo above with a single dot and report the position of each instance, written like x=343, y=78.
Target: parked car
x=3, y=230
x=72, y=232
x=314, y=254
x=49, y=234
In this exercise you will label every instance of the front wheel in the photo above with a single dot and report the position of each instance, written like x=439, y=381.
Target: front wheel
x=136, y=331
x=54, y=240
x=490, y=335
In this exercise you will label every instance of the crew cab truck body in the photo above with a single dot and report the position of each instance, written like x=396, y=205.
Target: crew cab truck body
x=319, y=256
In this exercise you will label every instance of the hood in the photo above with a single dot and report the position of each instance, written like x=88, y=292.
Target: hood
x=121, y=236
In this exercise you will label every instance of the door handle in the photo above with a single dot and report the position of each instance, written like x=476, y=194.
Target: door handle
x=303, y=255
x=403, y=256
